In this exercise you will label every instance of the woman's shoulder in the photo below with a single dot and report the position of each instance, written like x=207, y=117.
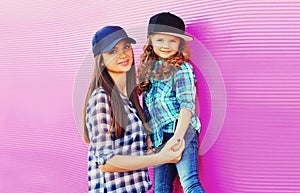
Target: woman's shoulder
x=99, y=93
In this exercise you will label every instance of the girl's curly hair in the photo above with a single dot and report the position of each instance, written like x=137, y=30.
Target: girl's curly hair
x=166, y=69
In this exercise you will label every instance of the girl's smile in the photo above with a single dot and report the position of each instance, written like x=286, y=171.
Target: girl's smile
x=164, y=45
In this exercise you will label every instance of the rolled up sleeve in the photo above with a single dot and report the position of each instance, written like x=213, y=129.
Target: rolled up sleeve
x=102, y=144
x=185, y=80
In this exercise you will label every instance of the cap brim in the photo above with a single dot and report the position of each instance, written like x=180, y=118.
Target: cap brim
x=114, y=43
x=183, y=36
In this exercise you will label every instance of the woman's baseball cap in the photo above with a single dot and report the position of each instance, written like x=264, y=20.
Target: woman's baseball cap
x=168, y=23
x=107, y=37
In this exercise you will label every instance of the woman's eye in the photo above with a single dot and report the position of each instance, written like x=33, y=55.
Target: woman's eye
x=159, y=40
x=112, y=52
x=127, y=46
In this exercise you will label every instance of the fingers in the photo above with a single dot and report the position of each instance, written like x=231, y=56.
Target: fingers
x=179, y=151
x=173, y=142
x=171, y=152
x=150, y=150
x=182, y=145
x=150, y=147
x=176, y=146
x=175, y=160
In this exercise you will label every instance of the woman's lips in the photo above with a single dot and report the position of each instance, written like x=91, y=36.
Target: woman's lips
x=124, y=63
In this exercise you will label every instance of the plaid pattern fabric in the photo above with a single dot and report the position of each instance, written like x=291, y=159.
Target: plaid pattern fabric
x=104, y=146
x=163, y=101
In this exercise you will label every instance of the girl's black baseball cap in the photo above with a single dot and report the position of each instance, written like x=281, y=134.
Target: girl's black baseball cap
x=168, y=23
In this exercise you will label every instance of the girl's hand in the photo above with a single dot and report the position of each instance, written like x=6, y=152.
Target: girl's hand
x=168, y=153
x=150, y=146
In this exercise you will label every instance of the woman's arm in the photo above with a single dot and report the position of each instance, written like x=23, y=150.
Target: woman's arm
x=103, y=145
x=123, y=163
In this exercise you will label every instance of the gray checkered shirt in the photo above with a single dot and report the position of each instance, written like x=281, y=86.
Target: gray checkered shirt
x=104, y=146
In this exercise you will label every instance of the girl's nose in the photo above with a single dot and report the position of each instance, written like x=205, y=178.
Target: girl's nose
x=165, y=45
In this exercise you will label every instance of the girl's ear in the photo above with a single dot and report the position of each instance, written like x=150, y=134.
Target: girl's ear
x=149, y=39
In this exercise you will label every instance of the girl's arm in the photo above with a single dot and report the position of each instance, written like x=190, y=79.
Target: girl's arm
x=183, y=123
x=184, y=119
x=123, y=163
x=185, y=93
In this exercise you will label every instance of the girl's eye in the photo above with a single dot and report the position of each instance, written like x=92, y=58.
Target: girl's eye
x=159, y=40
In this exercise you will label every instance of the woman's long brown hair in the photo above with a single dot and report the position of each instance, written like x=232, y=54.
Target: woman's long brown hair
x=166, y=69
x=101, y=78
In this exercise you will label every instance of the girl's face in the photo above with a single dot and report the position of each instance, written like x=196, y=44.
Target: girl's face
x=165, y=46
x=119, y=59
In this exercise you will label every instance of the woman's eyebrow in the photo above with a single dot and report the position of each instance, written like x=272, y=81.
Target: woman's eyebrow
x=126, y=42
x=116, y=47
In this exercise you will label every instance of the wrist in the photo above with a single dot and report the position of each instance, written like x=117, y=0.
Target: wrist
x=178, y=136
x=158, y=158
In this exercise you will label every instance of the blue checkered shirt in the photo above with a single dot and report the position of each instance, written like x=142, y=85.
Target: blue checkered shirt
x=104, y=146
x=163, y=101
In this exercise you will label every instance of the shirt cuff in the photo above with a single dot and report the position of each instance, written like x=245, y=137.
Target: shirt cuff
x=102, y=159
x=187, y=105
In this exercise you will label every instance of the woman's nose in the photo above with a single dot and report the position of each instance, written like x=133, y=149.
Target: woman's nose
x=122, y=53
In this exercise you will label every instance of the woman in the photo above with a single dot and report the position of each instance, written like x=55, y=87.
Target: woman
x=114, y=123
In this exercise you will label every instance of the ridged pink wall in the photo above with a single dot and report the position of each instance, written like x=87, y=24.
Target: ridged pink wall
x=246, y=56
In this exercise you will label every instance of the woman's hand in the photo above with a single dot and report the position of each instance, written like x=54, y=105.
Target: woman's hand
x=176, y=146
x=172, y=151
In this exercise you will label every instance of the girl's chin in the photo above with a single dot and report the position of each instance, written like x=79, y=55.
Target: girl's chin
x=163, y=57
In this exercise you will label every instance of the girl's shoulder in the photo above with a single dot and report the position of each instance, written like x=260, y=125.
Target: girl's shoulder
x=186, y=66
x=186, y=70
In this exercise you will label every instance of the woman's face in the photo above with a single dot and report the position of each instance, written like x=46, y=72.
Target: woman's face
x=165, y=46
x=119, y=59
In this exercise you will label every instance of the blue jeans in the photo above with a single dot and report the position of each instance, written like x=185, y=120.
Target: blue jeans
x=187, y=168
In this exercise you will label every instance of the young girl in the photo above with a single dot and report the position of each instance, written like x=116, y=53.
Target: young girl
x=113, y=120
x=168, y=82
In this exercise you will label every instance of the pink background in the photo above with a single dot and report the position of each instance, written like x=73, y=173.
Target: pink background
x=249, y=90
